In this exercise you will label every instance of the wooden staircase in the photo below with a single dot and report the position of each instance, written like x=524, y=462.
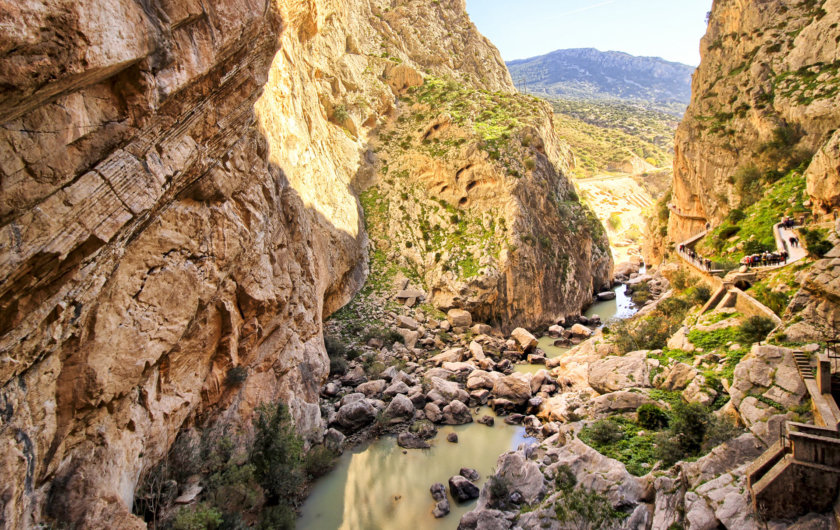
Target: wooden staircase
x=803, y=365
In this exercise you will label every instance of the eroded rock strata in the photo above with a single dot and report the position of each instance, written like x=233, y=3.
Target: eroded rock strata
x=178, y=200
x=765, y=96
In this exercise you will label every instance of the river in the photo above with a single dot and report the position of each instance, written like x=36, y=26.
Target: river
x=380, y=485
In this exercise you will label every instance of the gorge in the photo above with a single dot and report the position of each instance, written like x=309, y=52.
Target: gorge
x=345, y=206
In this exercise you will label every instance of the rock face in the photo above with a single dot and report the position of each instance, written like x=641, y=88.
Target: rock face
x=753, y=104
x=178, y=199
x=487, y=220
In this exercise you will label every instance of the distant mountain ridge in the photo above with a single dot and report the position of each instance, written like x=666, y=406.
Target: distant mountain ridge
x=587, y=73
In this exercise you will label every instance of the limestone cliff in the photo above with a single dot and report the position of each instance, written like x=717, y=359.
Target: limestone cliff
x=766, y=96
x=175, y=201
x=471, y=202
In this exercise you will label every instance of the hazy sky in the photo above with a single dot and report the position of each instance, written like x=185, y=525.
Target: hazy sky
x=660, y=28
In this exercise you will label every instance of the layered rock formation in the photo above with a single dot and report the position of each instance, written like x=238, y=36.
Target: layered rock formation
x=175, y=203
x=765, y=95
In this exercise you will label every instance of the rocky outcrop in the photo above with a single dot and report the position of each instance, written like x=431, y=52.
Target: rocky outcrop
x=178, y=202
x=477, y=208
x=766, y=95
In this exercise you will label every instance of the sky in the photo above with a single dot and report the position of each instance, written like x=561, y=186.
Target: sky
x=670, y=29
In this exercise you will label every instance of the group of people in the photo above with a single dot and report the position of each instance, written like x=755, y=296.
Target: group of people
x=698, y=260
x=765, y=259
x=788, y=222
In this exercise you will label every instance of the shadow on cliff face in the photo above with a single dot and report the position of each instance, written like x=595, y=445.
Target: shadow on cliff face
x=149, y=247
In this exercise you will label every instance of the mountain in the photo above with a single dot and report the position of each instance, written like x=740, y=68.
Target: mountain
x=586, y=73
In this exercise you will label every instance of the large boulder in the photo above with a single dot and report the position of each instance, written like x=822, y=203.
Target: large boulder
x=579, y=330
x=621, y=401
x=452, y=355
x=476, y=351
x=679, y=340
x=515, y=388
x=619, y=373
x=400, y=409
x=462, y=490
x=521, y=475
x=407, y=323
x=356, y=415
x=459, y=318
x=444, y=391
x=411, y=441
x=397, y=388
x=372, y=388
x=456, y=413
x=481, y=379
x=524, y=339
x=678, y=377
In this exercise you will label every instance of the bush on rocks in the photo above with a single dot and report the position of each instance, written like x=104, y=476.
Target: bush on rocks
x=652, y=417
x=756, y=328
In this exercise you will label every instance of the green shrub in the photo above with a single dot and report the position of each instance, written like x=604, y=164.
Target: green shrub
x=727, y=231
x=754, y=246
x=564, y=478
x=318, y=461
x=340, y=114
x=692, y=430
x=736, y=215
x=700, y=294
x=585, y=509
x=281, y=517
x=236, y=375
x=815, y=240
x=681, y=279
x=605, y=432
x=276, y=453
x=652, y=417
x=756, y=328
x=747, y=181
x=198, y=517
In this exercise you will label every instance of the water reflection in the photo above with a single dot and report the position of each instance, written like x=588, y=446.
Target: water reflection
x=379, y=486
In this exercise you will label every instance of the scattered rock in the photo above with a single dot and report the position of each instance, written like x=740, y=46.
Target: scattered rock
x=353, y=416
x=556, y=331
x=515, y=388
x=606, y=295
x=441, y=508
x=579, y=330
x=396, y=388
x=486, y=420
x=407, y=323
x=459, y=318
x=334, y=440
x=400, y=409
x=372, y=388
x=481, y=329
x=469, y=474
x=524, y=339
x=456, y=413
x=462, y=490
x=678, y=377
x=433, y=412
x=411, y=441
x=476, y=351
x=452, y=438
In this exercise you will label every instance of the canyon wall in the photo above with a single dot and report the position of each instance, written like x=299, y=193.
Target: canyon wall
x=178, y=207
x=766, y=95
x=175, y=202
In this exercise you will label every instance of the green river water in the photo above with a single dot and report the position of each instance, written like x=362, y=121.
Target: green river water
x=380, y=485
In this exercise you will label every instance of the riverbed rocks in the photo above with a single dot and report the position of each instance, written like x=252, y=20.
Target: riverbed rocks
x=524, y=339
x=459, y=318
x=356, y=415
x=456, y=413
x=515, y=388
x=400, y=409
x=462, y=490
x=442, y=507
x=410, y=440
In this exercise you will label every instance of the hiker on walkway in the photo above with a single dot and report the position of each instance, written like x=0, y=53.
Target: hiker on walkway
x=794, y=242
x=708, y=265
x=784, y=256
